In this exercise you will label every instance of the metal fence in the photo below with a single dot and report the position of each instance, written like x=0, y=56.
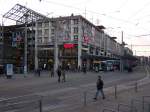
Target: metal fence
x=26, y=103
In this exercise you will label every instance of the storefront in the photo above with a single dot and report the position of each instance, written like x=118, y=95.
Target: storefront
x=68, y=56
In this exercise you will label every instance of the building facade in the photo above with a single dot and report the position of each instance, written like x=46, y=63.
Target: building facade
x=74, y=42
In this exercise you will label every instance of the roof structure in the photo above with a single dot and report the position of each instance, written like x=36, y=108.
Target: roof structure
x=22, y=14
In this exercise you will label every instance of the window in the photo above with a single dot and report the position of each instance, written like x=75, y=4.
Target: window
x=52, y=31
x=46, y=32
x=53, y=23
x=46, y=24
x=39, y=32
x=39, y=24
x=75, y=21
x=75, y=30
x=91, y=50
x=45, y=39
x=39, y=40
x=97, y=51
x=75, y=37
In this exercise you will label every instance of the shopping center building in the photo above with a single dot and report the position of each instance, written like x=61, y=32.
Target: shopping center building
x=71, y=42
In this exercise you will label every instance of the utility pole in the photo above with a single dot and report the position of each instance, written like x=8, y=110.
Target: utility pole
x=25, y=46
x=122, y=37
x=2, y=40
x=122, y=45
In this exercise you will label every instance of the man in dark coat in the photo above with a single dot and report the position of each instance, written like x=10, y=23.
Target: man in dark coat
x=59, y=73
x=99, y=86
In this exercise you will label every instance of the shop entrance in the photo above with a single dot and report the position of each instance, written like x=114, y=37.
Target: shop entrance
x=70, y=64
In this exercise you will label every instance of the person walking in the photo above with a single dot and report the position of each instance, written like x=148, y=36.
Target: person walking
x=52, y=72
x=39, y=71
x=63, y=76
x=99, y=86
x=59, y=73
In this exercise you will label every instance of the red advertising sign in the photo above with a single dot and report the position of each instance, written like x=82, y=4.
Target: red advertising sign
x=68, y=46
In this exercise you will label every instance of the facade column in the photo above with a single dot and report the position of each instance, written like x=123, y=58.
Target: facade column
x=56, y=60
x=80, y=44
x=25, y=46
x=72, y=30
x=36, y=49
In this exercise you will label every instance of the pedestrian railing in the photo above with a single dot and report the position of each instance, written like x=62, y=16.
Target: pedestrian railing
x=24, y=103
x=126, y=108
x=34, y=103
x=146, y=106
x=139, y=104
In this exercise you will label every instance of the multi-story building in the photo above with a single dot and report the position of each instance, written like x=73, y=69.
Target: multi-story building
x=79, y=42
x=70, y=42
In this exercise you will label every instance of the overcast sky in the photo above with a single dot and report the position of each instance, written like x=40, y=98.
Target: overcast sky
x=130, y=16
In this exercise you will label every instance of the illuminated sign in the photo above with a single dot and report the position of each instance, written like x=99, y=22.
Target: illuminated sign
x=68, y=46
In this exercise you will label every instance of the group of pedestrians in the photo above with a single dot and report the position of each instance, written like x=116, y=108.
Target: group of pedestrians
x=62, y=78
x=60, y=72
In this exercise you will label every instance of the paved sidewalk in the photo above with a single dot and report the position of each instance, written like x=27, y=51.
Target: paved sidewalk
x=126, y=95
x=69, y=96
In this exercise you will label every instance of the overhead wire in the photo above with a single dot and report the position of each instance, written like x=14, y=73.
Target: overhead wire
x=122, y=5
x=140, y=10
x=94, y=12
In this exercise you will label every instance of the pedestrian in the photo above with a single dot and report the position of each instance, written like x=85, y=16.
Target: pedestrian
x=52, y=72
x=63, y=76
x=39, y=71
x=79, y=68
x=59, y=73
x=99, y=86
x=84, y=68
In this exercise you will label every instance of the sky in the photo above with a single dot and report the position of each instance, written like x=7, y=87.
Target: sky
x=130, y=16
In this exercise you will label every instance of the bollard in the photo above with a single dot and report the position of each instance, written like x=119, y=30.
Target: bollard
x=136, y=88
x=40, y=105
x=85, y=95
x=115, y=91
x=132, y=105
x=143, y=104
x=148, y=107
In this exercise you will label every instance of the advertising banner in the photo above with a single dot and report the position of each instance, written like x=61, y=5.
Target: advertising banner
x=9, y=68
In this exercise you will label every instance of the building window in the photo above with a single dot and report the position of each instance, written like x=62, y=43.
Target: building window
x=46, y=32
x=75, y=37
x=91, y=50
x=75, y=30
x=39, y=32
x=52, y=38
x=97, y=51
x=46, y=24
x=45, y=39
x=39, y=40
x=52, y=31
x=39, y=24
x=75, y=21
